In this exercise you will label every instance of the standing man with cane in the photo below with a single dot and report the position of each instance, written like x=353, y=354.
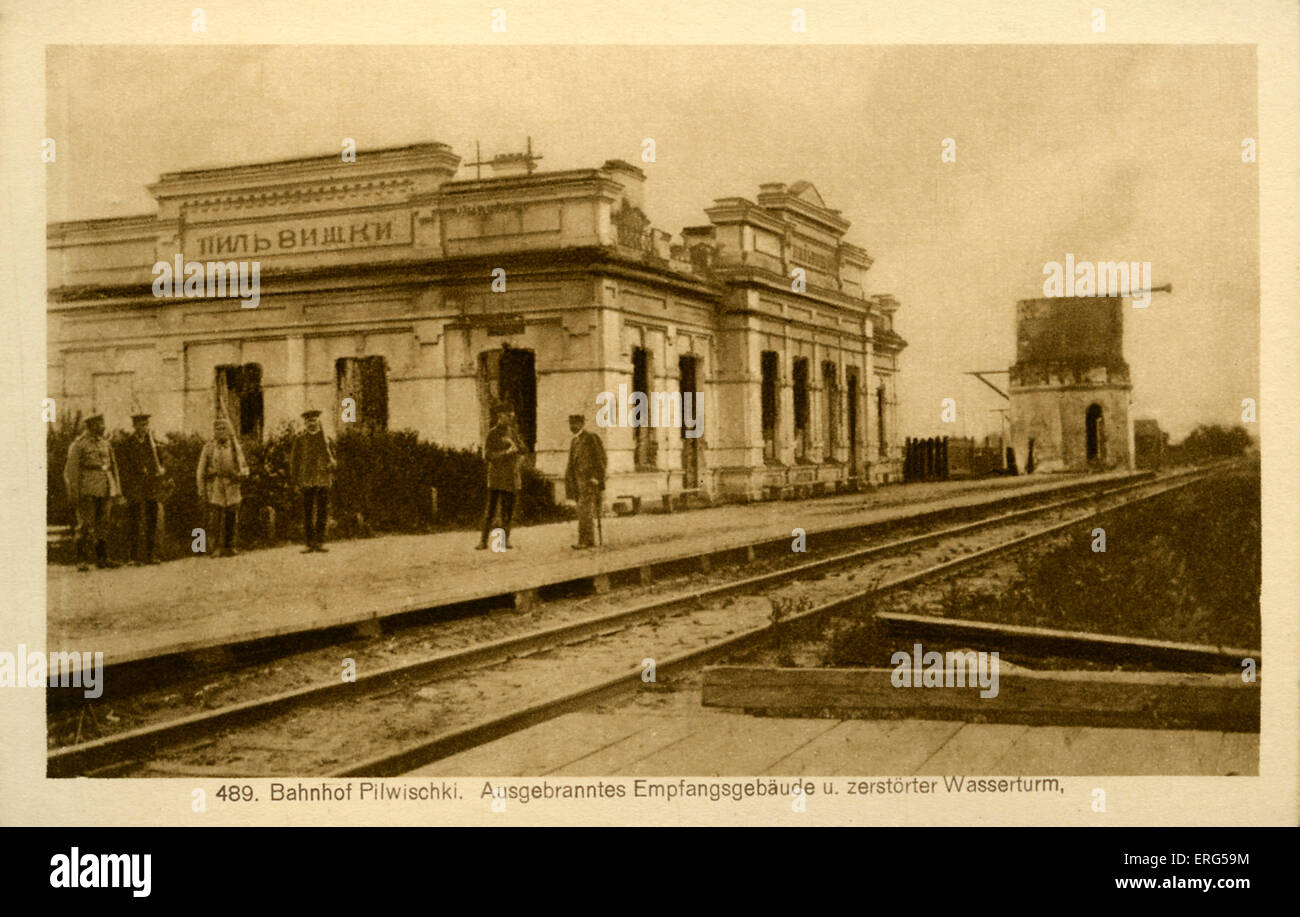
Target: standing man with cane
x=501, y=453
x=311, y=468
x=584, y=479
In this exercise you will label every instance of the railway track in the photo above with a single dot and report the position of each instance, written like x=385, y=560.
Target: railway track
x=434, y=707
x=130, y=675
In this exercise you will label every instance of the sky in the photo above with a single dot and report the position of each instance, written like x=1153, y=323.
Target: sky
x=1105, y=152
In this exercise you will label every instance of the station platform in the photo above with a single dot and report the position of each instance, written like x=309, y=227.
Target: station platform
x=198, y=603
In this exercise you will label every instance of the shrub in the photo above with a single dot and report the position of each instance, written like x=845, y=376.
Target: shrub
x=382, y=485
x=1187, y=568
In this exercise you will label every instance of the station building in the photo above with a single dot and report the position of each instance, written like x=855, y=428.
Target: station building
x=424, y=299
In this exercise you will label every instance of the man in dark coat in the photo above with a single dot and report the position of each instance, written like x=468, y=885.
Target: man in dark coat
x=502, y=453
x=584, y=478
x=311, y=468
x=142, y=476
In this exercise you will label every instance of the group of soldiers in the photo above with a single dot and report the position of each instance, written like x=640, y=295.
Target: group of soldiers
x=584, y=477
x=99, y=475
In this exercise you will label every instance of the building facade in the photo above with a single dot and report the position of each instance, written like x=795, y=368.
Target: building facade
x=1070, y=386
x=392, y=296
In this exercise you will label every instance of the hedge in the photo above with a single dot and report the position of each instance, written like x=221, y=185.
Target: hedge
x=383, y=485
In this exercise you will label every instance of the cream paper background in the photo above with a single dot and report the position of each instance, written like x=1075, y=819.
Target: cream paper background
x=28, y=798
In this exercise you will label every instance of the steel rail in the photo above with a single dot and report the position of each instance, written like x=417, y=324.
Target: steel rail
x=173, y=664
x=145, y=741
x=490, y=729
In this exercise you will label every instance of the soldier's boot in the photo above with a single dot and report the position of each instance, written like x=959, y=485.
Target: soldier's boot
x=101, y=556
x=151, y=543
x=80, y=542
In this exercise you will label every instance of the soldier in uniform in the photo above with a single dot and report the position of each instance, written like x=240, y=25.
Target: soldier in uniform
x=91, y=478
x=502, y=453
x=584, y=478
x=311, y=468
x=142, y=479
x=221, y=467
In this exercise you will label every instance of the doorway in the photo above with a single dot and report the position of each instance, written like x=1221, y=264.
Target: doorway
x=852, y=374
x=510, y=375
x=1094, y=432
x=686, y=367
x=768, y=364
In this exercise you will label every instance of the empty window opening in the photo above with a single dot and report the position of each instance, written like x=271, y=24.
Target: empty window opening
x=365, y=381
x=239, y=398
x=880, y=421
x=799, y=378
x=645, y=442
x=852, y=376
x=831, y=393
x=769, y=363
x=687, y=375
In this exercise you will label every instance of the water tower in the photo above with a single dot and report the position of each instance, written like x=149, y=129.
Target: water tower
x=1070, y=386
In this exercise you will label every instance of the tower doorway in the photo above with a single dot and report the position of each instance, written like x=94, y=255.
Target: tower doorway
x=1094, y=432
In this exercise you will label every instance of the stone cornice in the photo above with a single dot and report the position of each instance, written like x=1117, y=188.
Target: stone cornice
x=214, y=182
x=757, y=276
x=517, y=189
x=728, y=210
x=415, y=272
x=396, y=190
x=129, y=227
x=823, y=217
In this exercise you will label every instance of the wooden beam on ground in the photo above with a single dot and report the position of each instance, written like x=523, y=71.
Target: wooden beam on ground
x=1045, y=641
x=1153, y=700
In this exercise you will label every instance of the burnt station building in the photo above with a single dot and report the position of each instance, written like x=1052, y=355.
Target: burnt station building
x=424, y=298
x=1070, y=385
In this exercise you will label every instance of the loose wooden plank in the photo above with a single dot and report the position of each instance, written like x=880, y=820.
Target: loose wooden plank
x=1140, y=699
x=1007, y=638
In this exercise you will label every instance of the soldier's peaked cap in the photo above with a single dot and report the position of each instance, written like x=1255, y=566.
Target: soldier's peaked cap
x=308, y=415
x=94, y=415
x=581, y=417
x=138, y=417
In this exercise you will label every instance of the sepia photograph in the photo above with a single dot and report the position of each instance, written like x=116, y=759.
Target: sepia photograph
x=635, y=411
x=629, y=415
